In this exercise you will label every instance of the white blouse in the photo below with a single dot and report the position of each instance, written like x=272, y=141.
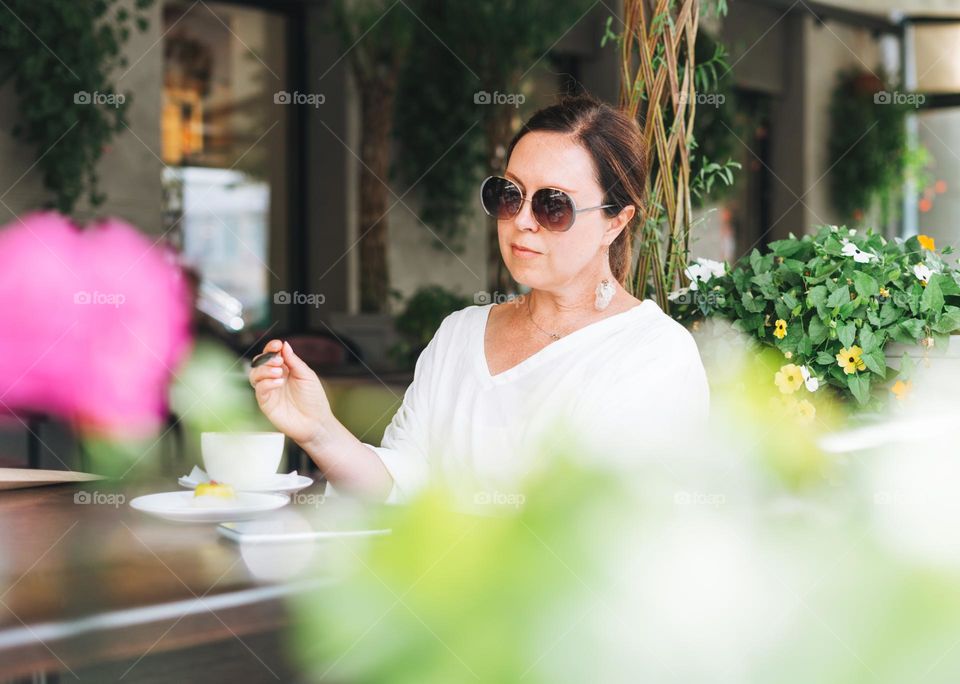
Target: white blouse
x=621, y=384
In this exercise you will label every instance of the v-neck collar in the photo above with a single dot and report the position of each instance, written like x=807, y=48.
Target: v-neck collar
x=542, y=355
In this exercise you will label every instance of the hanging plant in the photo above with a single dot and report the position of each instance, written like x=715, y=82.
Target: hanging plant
x=459, y=111
x=61, y=57
x=871, y=155
x=721, y=119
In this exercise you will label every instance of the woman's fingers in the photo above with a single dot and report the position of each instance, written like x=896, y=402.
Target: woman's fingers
x=265, y=373
x=298, y=367
x=273, y=346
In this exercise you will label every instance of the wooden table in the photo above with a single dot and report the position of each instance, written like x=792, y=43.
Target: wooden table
x=99, y=591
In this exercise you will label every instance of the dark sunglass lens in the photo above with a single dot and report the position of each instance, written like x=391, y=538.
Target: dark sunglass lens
x=501, y=198
x=553, y=209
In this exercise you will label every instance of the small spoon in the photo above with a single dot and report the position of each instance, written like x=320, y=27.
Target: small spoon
x=261, y=359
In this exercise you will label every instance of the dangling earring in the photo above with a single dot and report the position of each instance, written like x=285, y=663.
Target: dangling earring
x=605, y=292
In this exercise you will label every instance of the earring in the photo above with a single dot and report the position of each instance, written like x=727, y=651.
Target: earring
x=605, y=292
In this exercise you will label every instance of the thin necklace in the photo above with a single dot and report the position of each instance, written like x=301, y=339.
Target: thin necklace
x=548, y=334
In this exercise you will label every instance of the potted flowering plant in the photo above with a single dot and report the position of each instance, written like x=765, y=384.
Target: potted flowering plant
x=832, y=303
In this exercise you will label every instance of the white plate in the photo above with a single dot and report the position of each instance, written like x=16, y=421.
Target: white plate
x=255, y=533
x=283, y=483
x=179, y=507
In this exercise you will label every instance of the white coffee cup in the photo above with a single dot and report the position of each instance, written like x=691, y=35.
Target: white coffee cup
x=242, y=459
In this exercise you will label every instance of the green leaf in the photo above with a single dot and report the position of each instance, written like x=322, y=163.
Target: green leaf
x=876, y=362
x=786, y=248
x=826, y=359
x=868, y=341
x=932, y=299
x=818, y=295
x=859, y=384
x=948, y=323
x=889, y=313
x=865, y=285
x=794, y=266
x=817, y=331
x=752, y=304
x=913, y=327
x=847, y=333
x=839, y=297
x=906, y=365
x=948, y=285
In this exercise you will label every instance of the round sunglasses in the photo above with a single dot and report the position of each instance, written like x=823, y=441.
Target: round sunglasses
x=554, y=209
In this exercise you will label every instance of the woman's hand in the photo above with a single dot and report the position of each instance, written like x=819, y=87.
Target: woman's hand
x=291, y=397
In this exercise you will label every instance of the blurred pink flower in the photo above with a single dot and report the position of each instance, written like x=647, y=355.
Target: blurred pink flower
x=92, y=323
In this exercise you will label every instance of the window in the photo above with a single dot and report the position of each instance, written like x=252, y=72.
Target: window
x=224, y=143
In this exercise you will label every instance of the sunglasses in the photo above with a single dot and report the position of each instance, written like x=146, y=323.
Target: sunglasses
x=554, y=209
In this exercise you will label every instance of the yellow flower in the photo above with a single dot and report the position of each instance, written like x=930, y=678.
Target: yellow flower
x=806, y=411
x=780, y=329
x=849, y=360
x=927, y=242
x=788, y=379
x=884, y=292
x=901, y=389
x=788, y=355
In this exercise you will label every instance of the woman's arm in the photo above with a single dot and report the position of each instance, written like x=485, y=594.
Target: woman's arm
x=348, y=464
x=292, y=398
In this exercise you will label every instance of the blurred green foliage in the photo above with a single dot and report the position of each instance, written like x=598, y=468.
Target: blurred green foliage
x=741, y=554
x=61, y=56
x=870, y=154
x=421, y=317
x=445, y=134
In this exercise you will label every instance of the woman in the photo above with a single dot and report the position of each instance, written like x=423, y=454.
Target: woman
x=578, y=350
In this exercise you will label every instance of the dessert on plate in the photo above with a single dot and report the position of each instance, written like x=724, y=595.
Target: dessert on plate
x=214, y=494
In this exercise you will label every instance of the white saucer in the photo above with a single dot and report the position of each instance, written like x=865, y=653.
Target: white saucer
x=281, y=482
x=179, y=507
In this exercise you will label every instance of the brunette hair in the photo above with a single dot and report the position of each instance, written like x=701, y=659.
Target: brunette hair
x=615, y=143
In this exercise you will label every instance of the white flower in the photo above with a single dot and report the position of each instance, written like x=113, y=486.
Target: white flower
x=853, y=231
x=702, y=270
x=811, y=382
x=923, y=272
x=861, y=257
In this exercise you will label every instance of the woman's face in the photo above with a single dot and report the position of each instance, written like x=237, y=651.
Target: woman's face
x=554, y=160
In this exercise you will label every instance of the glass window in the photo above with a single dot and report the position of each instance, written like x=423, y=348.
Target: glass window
x=224, y=141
